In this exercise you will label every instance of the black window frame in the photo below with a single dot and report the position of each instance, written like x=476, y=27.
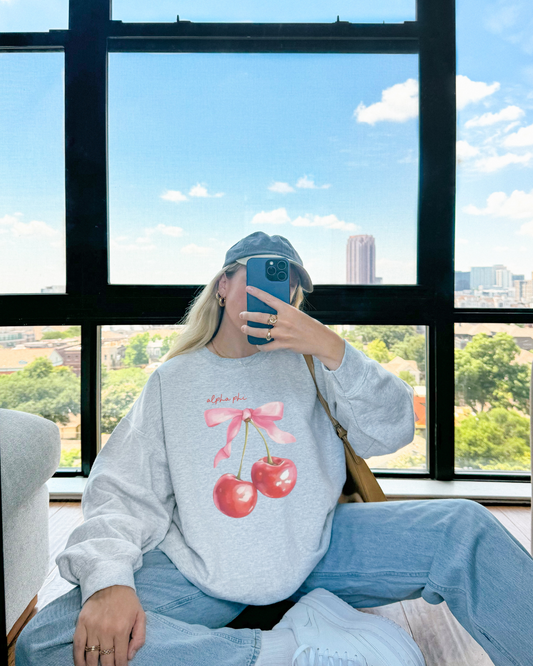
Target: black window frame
x=92, y=302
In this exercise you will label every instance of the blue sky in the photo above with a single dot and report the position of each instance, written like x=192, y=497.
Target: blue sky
x=207, y=148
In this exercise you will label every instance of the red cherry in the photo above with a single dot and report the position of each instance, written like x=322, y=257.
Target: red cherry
x=234, y=497
x=275, y=480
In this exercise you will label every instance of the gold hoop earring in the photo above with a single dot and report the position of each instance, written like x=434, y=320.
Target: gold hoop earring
x=221, y=299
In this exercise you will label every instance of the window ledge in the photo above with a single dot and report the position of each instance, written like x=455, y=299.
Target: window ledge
x=71, y=488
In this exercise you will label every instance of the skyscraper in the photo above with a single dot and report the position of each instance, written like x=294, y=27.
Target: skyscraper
x=361, y=260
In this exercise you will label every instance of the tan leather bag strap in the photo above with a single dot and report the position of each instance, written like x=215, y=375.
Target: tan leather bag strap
x=364, y=486
x=341, y=432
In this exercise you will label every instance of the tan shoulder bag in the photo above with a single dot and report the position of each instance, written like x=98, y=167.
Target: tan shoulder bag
x=361, y=484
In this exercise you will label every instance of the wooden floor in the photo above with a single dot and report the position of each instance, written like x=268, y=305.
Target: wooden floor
x=441, y=638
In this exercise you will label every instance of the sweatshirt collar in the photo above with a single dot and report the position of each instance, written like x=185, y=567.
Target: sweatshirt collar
x=254, y=359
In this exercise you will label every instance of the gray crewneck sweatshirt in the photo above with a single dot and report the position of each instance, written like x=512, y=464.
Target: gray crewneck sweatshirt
x=168, y=476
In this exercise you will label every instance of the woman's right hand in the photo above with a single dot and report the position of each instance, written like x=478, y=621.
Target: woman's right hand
x=108, y=618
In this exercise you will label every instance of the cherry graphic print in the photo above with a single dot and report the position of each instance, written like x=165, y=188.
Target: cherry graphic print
x=272, y=476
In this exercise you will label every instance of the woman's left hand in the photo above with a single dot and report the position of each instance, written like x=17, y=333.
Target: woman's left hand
x=293, y=330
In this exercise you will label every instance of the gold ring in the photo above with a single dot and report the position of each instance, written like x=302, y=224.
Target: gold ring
x=269, y=335
x=273, y=319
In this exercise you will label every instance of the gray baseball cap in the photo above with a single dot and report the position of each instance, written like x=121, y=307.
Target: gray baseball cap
x=260, y=244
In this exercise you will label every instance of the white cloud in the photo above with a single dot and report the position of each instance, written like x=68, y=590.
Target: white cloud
x=524, y=137
x=517, y=206
x=308, y=184
x=497, y=162
x=511, y=125
x=197, y=250
x=464, y=150
x=327, y=221
x=173, y=195
x=461, y=241
x=513, y=22
x=526, y=229
x=33, y=229
x=398, y=104
x=509, y=113
x=165, y=230
x=278, y=216
x=282, y=188
x=468, y=91
x=131, y=247
x=201, y=191
x=410, y=157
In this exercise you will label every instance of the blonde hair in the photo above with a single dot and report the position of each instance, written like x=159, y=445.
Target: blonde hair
x=204, y=314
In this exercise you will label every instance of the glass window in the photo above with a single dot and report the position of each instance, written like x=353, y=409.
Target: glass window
x=40, y=374
x=32, y=173
x=207, y=148
x=494, y=202
x=33, y=15
x=492, y=410
x=245, y=11
x=132, y=352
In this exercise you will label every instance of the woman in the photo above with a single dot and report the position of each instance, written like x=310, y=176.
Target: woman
x=188, y=520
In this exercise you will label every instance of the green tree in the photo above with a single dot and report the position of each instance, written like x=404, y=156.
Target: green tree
x=136, y=350
x=498, y=439
x=389, y=334
x=484, y=373
x=42, y=389
x=378, y=351
x=71, y=332
x=407, y=377
x=412, y=348
x=119, y=391
x=168, y=342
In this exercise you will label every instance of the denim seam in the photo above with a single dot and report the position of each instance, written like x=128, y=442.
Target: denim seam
x=480, y=629
x=336, y=574
x=177, y=602
x=256, y=647
x=227, y=636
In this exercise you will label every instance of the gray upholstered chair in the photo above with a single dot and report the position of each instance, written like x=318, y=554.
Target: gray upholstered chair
x=31, y=451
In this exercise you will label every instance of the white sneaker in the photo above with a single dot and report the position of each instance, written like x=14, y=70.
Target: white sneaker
x=332, y=633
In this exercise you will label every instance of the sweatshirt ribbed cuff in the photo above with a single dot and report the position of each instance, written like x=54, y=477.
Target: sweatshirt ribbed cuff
x=100, y=575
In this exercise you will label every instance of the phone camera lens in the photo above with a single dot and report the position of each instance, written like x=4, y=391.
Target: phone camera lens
x=282, y=265
x=282, y=276
x=271, y=270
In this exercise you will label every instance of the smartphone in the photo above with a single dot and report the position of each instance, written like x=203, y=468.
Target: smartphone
x=272, y=275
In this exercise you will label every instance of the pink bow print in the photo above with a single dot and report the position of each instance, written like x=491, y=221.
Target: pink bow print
x=263, y=417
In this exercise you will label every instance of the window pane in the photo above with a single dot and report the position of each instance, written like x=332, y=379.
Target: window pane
x=297, y=11
x=33, y=15
x=494, y=203
x=205, y=149
x=130, y=353
x=492, y=408
x=32, y=173
x=40, y=374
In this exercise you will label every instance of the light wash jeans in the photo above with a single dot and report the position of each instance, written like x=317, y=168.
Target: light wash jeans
x=451, y=550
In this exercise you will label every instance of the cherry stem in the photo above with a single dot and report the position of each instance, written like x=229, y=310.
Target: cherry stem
x=270, y=461
x=244, y=449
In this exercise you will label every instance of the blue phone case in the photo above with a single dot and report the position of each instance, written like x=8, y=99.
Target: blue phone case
x=256, y=277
